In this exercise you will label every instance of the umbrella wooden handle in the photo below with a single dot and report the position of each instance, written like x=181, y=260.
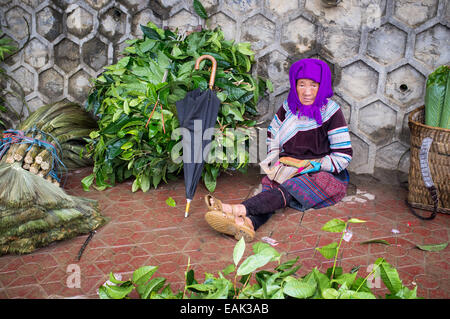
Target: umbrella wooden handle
x=212, y=78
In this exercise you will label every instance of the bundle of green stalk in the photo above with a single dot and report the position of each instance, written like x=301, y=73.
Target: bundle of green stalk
x=35, y=212
x=63, y=124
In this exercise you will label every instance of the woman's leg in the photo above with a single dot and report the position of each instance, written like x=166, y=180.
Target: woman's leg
x=262, y=206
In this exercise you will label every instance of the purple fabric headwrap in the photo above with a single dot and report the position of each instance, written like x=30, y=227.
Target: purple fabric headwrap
x=315, y=70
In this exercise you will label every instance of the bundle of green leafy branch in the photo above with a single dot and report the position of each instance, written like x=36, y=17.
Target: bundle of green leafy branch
x=124, y=96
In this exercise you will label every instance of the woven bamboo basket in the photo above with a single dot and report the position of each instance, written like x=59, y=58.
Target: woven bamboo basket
x=438, y=161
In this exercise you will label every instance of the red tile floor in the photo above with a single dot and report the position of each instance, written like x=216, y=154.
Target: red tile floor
x=144, y=230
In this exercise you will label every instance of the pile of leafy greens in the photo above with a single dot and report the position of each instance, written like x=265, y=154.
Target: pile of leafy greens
x=160, y=67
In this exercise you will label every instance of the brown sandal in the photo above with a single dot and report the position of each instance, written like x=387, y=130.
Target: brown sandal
x=225, y=223
x=217, y=205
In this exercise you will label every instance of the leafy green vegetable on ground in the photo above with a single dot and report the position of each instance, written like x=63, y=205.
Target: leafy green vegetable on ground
x=159, y=70
x=250, y=279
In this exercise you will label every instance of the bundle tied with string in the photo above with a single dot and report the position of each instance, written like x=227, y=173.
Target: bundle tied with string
x=34, y=210
x=34, y=153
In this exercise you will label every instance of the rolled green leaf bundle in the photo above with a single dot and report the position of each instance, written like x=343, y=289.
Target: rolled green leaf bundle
x=435, y=95
x=445, y=115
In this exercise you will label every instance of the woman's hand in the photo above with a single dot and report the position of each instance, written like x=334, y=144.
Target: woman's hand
x=315, y=168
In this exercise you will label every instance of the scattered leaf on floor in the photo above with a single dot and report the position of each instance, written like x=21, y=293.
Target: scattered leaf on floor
x=375, y=241
x=435, y=247
x=171, y=202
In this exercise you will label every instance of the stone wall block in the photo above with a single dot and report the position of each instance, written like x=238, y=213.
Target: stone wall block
x=67, y=55
x=113, y=24
x=95, y=53
x=79, y=86
x=432, y=46
x=386, y=44
x=49, y=23
x=36, y=54
x=258, y=30
x=80, y=22
x=359, y=80
x=377, y=121
x=360, y=159
x=51, y=84
x=414, y=13
x=405, y=86
x=16, y=18
x=299, y=36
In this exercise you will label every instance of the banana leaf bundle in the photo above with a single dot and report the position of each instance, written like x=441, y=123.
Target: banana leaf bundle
x=34, y=212
x=437, y=98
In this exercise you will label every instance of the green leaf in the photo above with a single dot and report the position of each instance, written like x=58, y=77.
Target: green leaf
x=127, y=145
x=200, y=10
x=145, y=183
x=288, y=264
x=87, y=182
x=153, y=285
x=238, y=251
x=245, y=48
x=265, y=249
x=143, y=274
x=334, y=226
x=201, y=287
x=346, y=278
x=171, y=202
x=114, y=280
x=269, y=85
x=435, y=247
x=94, y=134
x=299, y=289
x=328, y=251
x=156, y=179
x=150, y=33
x=102, y=293
x=404, y=293
x=136, y=185
x=252, y=263
x=321, y=279
x=118, y=292
x=210, y=181
x=390, y=277
x=330, y=293
x=229, y=269
x=350, y=294
x=122, y=63
x=223, y=289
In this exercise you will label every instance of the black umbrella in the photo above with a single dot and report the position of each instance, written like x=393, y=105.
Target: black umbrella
x=197, y=112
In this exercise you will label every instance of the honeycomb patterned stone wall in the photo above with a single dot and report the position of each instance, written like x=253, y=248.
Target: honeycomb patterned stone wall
x=380, y=51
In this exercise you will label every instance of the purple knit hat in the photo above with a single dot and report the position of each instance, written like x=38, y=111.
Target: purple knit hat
x=317, y=71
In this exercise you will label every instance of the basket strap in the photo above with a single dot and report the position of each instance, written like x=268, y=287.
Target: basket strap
x=426, y=176
x=434, y=196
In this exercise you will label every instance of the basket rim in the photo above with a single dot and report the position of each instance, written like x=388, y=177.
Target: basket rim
x=420, y=108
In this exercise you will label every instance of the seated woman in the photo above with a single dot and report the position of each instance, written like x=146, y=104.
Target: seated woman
x=308, y=126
